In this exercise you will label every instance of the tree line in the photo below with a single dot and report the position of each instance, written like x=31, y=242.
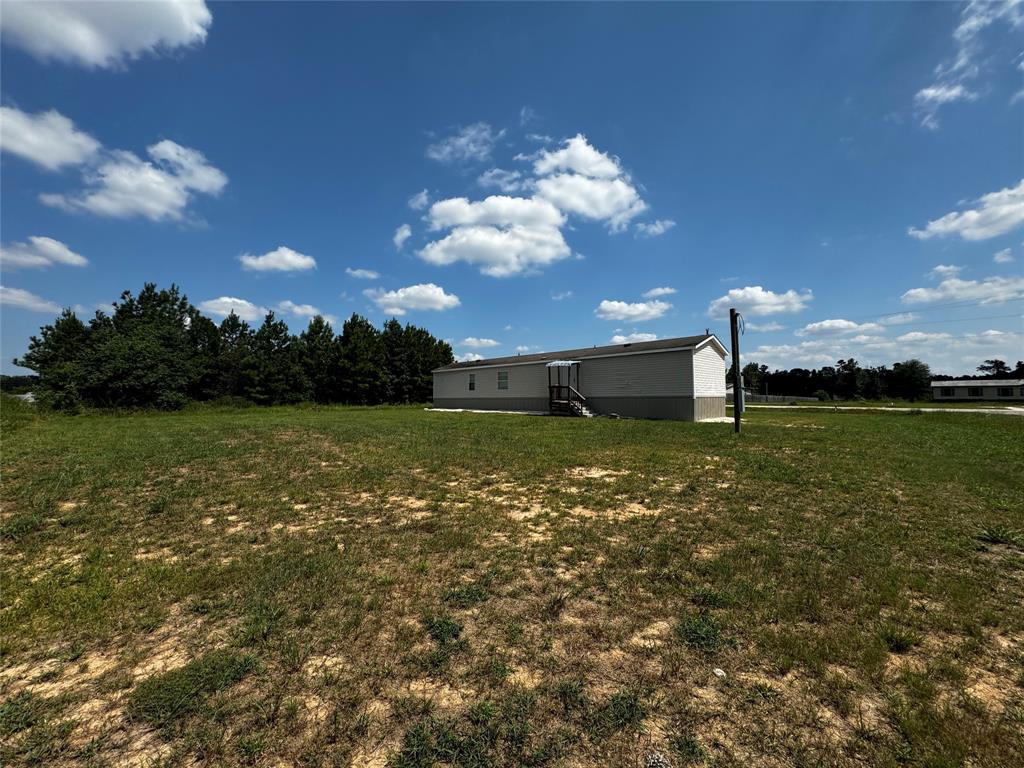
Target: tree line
x=156, y=350
x=848, y=380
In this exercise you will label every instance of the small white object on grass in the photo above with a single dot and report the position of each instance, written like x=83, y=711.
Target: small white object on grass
x=718, y=672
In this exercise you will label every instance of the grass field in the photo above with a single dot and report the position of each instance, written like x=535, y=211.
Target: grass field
x=371, y=587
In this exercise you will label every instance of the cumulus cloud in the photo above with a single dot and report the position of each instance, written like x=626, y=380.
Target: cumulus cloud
x=837, y=325
x=578, y=156
x=103, y=34
x=755, y=301
x=281, y=259
x=656, y=292
x=942, y=351
x=402, y=233
x=613, y=200
x=631, y=338
x=420, y=200
x=506, y=181
x=425, y=296
x=764, y=327
x=945, y=270
x=22, y=299
x=474, y=343
x=1003, y=257
x=523, y=348
x=225, y=305
x=123, y=186
x=362, y=274
x=303, y=311
x=506, y=235
x=952, y=76
x=39, y=253
x=654, y=228
x=995, y=214
x=561, y=295
x=471, y=143
x=899, y=318
x=468, y=357
x=634, y=313
x=991, y=290
x=48, y=139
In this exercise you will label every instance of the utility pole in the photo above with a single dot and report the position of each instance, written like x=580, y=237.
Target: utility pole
x=737, y=381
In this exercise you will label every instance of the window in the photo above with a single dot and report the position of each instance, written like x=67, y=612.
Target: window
x=502, y=379
x=944, y=391
x=974, y=391
x=1004, y=391
x=472, y=382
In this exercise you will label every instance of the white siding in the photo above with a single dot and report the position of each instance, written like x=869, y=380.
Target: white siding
x=709, y=372
x=657, y=374
x=523, y=381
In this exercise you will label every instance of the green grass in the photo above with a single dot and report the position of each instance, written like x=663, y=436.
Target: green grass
x=333, y=586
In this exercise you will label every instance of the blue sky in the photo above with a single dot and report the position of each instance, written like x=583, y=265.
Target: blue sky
x=851, y=176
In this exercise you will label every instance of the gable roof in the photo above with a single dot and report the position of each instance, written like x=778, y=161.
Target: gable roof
x=979, y=383
x=661, y=345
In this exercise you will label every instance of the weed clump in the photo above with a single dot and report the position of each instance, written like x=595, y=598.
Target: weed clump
x=898, y=638
x=700, y=631
x=163, y=699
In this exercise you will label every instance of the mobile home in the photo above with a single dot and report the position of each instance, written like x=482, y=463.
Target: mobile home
x=681, y=378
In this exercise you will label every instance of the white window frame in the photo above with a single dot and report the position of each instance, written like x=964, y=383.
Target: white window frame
x=506, y=377
x=472, y=382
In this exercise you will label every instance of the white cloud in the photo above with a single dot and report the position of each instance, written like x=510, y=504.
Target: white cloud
x=523, y=348
x=755, y=301
x=950, y=77
x=420, y=200
x=500, y=234
x=225, y=305
x=303, y=311
x=1003, y=257
x=918, y=337
x=996, y=214
x=402, y=233
x=577, y=156
x=505, y=235
x=763, y=327
x=991, y=290
x=425, y=296
x=506, y=181
x=945, y=270
x=900, y=318
x=474, y=343
x=561, y=295
x=39, y=253
x=281, y=259
x=102, y=34
x=654, y=228
x=631, y=338
x=474, y=142
x=540, y=138
x=22, y=299
x=499, y=252
x=47, y=139
x=656, y=292
x=634, y=313
x=528, y=115
x=496, y=210
x=942, y=351
x=362, y=274
x=123, y=186
x=837, y=325
x=468, y=357
x=613, y=200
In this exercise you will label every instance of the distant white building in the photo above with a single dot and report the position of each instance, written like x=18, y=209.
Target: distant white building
x=983, y=389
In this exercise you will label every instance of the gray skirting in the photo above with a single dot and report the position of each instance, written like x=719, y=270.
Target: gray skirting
x=669, y=407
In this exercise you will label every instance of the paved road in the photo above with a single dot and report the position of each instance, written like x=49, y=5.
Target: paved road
x=1009, y=411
